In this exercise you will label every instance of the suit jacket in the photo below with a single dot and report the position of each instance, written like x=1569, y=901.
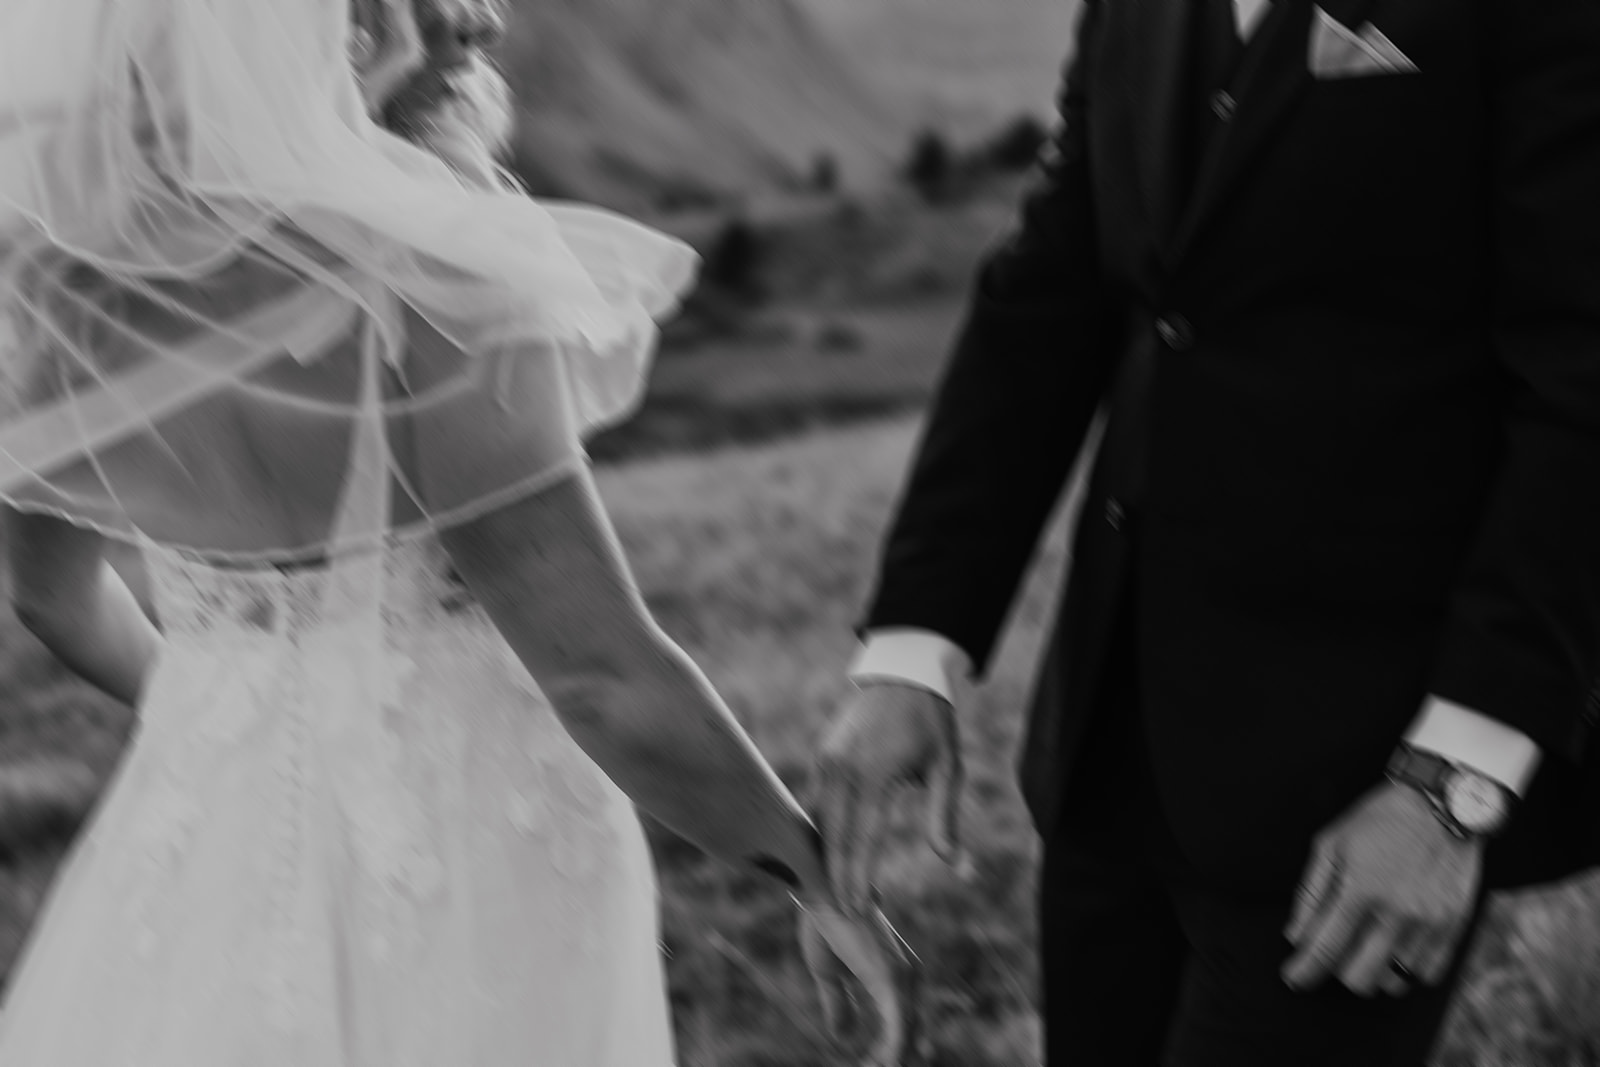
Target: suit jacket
x=1373, y=441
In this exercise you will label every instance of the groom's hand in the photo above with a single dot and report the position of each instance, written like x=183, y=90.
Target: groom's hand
x=1386, y=884
x=885, y=740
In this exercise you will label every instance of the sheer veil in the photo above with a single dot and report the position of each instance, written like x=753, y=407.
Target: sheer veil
x=239, y=318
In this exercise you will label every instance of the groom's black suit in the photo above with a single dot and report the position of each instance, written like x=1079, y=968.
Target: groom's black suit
x=1349, y=332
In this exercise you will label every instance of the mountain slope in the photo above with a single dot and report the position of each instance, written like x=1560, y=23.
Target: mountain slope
x=962, y=65
x=633, y=102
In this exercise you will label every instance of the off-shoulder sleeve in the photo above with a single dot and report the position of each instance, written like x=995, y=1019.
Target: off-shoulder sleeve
x=230, y=414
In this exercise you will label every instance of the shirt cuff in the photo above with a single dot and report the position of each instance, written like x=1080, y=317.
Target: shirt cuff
x=910, y=656
x=1474, y=740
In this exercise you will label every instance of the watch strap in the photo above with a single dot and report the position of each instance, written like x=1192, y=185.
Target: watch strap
x=1429, y=773
x=1421, y=769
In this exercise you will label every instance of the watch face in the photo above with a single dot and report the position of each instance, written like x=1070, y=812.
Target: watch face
x=1476, y=802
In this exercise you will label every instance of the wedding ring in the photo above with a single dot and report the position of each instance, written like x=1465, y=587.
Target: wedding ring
x=1401, y=971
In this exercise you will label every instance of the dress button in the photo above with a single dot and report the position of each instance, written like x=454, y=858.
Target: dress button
x=1223, y=105
x=1114, y=513
x=1175, y=332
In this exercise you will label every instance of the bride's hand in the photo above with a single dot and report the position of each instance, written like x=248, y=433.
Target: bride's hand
x=871, y=949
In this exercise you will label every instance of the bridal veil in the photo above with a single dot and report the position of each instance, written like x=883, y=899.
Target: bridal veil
x=239, y=318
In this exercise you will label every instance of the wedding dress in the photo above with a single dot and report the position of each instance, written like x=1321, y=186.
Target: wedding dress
x=323, y=850
x=280, y=350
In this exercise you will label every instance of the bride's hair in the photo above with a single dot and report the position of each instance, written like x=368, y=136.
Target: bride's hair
x=475, y=99
x=481, y=105
x=468, y=124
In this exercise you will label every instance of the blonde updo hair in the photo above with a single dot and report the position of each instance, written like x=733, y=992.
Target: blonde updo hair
x=475, y=100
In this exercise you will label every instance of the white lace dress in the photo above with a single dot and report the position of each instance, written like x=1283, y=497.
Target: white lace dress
x=290, y=868
x=252, y=325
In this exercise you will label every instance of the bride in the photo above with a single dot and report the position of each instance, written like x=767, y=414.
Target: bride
x=309, y=366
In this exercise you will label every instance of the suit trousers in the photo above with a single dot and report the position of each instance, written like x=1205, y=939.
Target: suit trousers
x=1144, y=964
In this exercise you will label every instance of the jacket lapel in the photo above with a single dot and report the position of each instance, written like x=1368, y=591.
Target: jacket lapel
x=1164, y=34
x=1272, y=79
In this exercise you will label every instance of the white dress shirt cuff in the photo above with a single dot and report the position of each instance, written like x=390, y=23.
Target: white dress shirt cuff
x=1473, y=739
x=911, y=656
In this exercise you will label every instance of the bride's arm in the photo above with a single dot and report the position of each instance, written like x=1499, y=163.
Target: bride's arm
x=67, y=594
x=551, y=574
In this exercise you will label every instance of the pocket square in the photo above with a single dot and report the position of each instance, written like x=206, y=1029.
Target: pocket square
x=1336, y=51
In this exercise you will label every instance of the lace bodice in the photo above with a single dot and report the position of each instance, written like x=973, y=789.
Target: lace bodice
x=415, y=732
x=197, y=601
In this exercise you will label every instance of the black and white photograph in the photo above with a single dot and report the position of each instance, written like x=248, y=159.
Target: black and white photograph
x=799, y=533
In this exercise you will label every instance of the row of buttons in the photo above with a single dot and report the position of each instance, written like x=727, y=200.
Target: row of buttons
x=1177, y=333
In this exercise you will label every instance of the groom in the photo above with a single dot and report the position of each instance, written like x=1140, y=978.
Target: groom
x=1319, y=674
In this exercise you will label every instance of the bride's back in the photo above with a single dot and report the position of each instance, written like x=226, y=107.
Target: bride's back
x=265, y=458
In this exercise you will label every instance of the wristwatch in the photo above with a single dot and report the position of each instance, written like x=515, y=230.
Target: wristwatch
x=1469, y=804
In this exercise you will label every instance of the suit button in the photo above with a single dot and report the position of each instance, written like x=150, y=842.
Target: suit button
x=1223, y=105
x=1114, y=513
x=1175, y=332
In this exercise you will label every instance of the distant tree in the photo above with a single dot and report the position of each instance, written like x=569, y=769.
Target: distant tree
x=825, y=173
x=928, y=166
x=1017, y=146
x=684, y=196
x=839, y=338
x=733, y=261
x=850, y=215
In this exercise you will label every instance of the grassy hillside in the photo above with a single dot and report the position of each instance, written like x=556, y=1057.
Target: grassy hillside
x=645, y=103
x=955, y=64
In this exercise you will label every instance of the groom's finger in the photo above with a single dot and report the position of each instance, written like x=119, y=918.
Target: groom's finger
x=836, y=811
x=945, y=791
x=872, y=811
x=1438, y=950
x=1328, y=941
x=1316, y=889
x=824, y=967
x=1369, y=955
x=1408, y=946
